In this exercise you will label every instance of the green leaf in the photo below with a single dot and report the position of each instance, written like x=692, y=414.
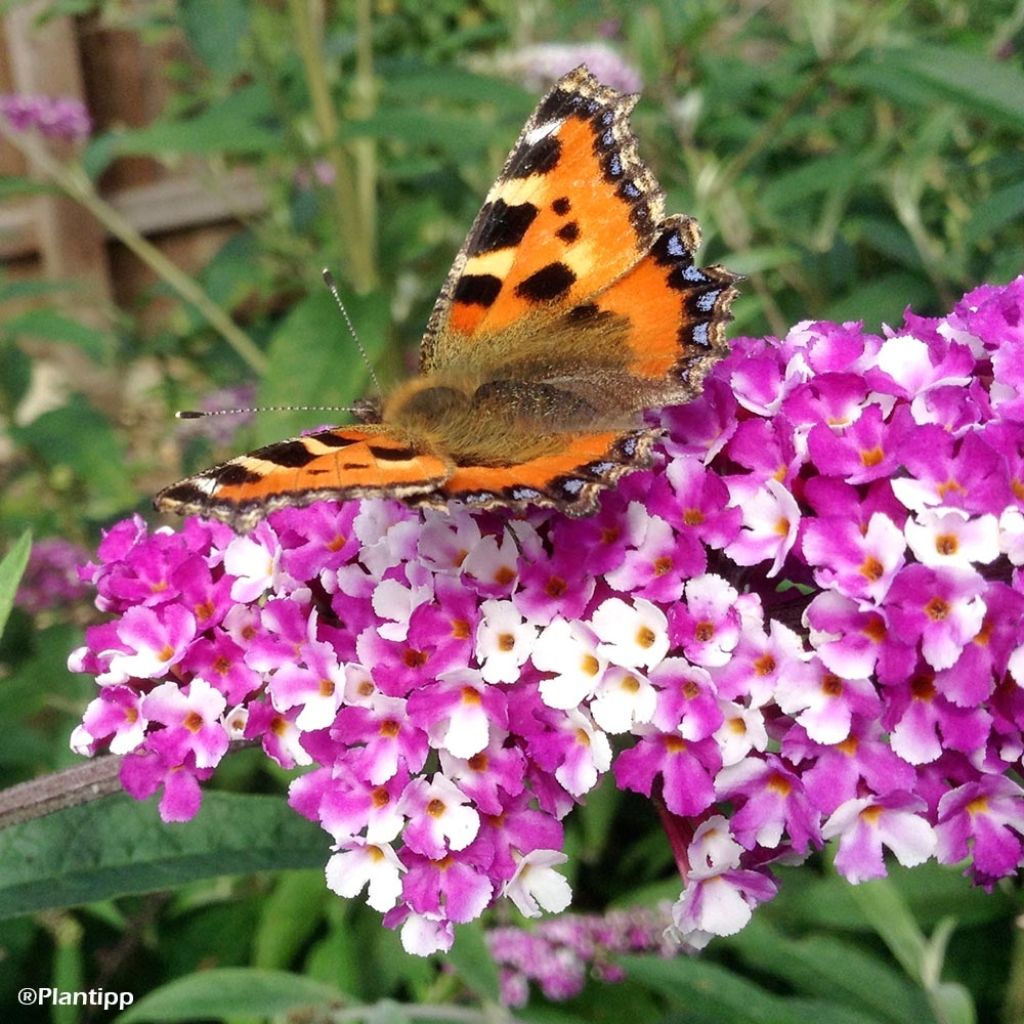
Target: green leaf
x=881, y=300
x=457, y=134
x=720, y=994
x=15, y=290
x=15, y=188
x=215, y=31
x=1002, y=207
x=290, y=916
x=710, y=994
x=954, y=1004
x=889, y=915
x=413, y=83
x=50, y=325
x=78, y=438
x=228, y=993
x=15, y=373
x=931, y=891
x=314, y=361
x=100, y=152
x=239, y=123
x=972, y=79
x=12, y=568
x=825, y=967
x=472, y=961
x=116, y=846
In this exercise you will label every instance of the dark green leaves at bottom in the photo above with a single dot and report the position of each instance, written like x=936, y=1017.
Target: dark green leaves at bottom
x=116, y=846
x=231, y=993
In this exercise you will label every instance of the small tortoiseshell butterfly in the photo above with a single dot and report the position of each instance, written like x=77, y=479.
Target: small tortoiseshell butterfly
x=573, y=306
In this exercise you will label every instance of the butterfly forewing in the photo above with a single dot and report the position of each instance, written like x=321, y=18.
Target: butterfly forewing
x=572, y=210
x=346, y=462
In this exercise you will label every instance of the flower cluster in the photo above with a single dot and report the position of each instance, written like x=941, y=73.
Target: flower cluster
x=805, y=623
x=55, y=117
x=560, y=953
x=51, y=576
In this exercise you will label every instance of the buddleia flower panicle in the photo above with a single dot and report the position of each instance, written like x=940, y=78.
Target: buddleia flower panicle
x=804, y=624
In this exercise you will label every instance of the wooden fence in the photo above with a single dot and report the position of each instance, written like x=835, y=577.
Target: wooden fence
x=121, y=81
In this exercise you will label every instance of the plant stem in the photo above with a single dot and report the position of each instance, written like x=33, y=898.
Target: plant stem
x=74, y=182
x=364, y=150
x=71, y=787
x=355, y=223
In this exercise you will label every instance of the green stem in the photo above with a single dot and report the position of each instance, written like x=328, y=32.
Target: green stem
x=364, y=150
x=352, y=225
x=771, y=130
x=1013, y=1002
x=73, y=181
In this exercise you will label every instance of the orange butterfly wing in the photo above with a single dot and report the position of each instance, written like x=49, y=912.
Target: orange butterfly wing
x=571, y=293
x=573, y=209
x=569, y=479
x=342, y=463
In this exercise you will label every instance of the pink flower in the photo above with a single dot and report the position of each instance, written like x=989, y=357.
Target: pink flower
x=865, y=825
x=804, y=623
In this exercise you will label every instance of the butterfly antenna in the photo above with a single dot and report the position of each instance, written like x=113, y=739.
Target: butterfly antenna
x=332, y=287
x=199, y=414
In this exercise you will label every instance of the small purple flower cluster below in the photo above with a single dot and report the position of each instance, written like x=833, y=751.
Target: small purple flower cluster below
x=805, y=623
x=54, y=117
x=51, y=579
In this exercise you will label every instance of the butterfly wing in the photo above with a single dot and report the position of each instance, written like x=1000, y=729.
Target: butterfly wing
x=577, y=300
x=572, y=210
x=570, y=477
x=340, y=463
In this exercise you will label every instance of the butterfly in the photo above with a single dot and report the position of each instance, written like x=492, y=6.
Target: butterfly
x=573, y=306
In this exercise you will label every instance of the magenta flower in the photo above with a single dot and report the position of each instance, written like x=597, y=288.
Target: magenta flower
x=55, y=117
x=805, y=623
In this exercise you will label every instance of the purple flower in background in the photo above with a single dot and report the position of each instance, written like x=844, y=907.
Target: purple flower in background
x=51, y=578
x=541, y=64
x=55, y=117
x=221, y=426
x=805, y=623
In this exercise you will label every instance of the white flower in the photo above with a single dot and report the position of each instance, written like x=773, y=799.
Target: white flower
x=424, y=934
x=503, y=641
x=632, y=636
x=1011, y=534
x=361, y=865
x=950, y=537
x=393, y=600
x=360, y=689
x=493, y=564
x=536, y=886
x=570, y=651
x=741, y=731
x=447, y=538
x=589, y=755
x=234, y=722
x=256, y=566
x=623, y=698
x=465, y=730
x=713, y=849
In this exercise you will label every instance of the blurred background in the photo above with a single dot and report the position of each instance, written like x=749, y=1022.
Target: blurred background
x=175, y=174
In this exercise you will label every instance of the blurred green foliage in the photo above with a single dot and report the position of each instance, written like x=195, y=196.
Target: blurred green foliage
x=850, y=158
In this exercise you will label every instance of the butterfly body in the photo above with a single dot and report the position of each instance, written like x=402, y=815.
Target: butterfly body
x=573, y=306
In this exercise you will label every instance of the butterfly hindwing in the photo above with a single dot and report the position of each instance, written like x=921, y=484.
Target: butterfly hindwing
x=570, y=479
x=672, y=315
x=339, y=463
